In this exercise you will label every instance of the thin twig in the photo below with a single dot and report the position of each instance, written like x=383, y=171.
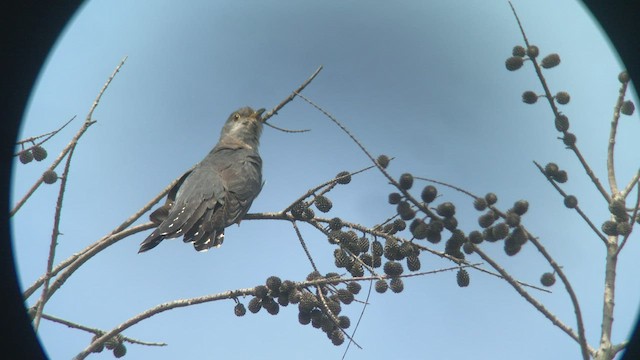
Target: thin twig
x=275, y=110
x=287, y=130
x=531, y=299
x=576, y=208
x=633, y=220
x=355, y=328
x=333, y=318
x=304, y=246
x=97, y=331
x=49, y=135
x=611, y=171
x=330, y=183
x=88, y=122
x=71, y=259
x=630, y=186
x=54, y=239
x=101, y=245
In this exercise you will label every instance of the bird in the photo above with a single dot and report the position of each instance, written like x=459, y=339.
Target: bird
x=218, y=191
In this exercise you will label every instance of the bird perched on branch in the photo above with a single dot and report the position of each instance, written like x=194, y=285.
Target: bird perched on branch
x=218, y=191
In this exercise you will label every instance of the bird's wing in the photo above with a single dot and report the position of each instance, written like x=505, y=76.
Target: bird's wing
x=200, y=188
x=160, y=214
x=242, y=181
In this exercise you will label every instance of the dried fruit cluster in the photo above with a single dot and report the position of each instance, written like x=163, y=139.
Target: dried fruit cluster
x=321, y=307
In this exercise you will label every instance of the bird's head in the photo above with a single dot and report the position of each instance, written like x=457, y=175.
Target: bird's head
x=244, y=125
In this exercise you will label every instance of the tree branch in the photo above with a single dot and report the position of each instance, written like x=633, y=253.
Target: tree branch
x=97, y=331
x=88, y=122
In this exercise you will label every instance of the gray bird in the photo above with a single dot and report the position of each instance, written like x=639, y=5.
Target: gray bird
x=218, y=191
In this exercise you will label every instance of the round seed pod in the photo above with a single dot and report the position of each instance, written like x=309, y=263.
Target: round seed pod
x=381, y=286
x=623, y=77
x=304, y=318
x=514, y=63
x=345, y=296
x=562, y=97
x=383, y=161
x=561, y=177
x=429, y=193
x=413, y=263
x=273, y=283
x=610, y=228
x=406, y=181
x=627, y=107
x=356, y=270
x=344, y=322
x=337, y=338
x=446, y=209
x=49, y=177
x=396, y=285
x=551, y=170
x=25, y=156
x=623, y=228
x=520, y=207
x=254, y=305
x=39, y=153
x=550, y=61
x=119, y=351
x=393, y=268
x=529, y=97
x=480, y=204
x=323, y=204
x=617, y=208
x=462, y=278
x=500, y=231
x=239, y=309
x=395, y=198
x=476, y=237
x=354, y=287
x=569, y=139
x=518, y=51
x=399, y=225
x=570, y=201
x=486, y=220
x=533, y=51
x=343, y=177
x=512, y=219
x=562, y=123
x=548, y=279
x=467, y=247
x=491, y=198
x=335, y=224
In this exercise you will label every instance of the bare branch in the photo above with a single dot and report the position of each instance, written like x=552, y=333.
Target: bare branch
x=633, y=220
x=54, y=239
x=48, y=135
x=92, y=251
x=62, y=265
x=97, y=331
x=611, y=171
x=292, y=96
x=554, y=320
x=304, y=245
x=88, y=122
x=630, y=186
x=577, y=207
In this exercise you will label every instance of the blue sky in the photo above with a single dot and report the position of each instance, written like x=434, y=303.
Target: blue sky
x=424, y=82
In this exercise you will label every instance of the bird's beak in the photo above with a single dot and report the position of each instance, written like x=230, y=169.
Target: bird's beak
x=259, y=112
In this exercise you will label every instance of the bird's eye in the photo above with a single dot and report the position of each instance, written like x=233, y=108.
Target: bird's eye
x=236, y=116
